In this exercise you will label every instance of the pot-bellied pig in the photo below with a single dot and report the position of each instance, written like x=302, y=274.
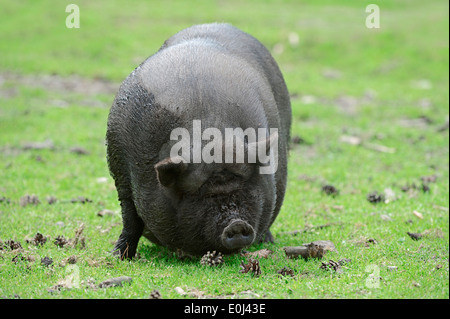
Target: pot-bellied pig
x=197, y=143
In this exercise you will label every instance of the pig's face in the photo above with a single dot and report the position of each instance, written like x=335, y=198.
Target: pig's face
x=218, y=207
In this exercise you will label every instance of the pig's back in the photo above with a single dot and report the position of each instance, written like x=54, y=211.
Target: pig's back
x=240, y=44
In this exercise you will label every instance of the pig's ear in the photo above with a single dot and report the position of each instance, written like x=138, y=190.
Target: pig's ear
x=271, y=141
x=168, y=170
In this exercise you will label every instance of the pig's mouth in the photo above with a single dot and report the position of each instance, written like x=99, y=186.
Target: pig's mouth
x=235, y=236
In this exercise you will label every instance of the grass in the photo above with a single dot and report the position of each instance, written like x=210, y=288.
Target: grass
x=387, y=87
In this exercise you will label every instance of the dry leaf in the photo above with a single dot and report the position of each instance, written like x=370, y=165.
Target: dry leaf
x=353, y=140
x=392, y=268
x=262, y=253
x=417, y=214
x=180, y=291
x=104, y=212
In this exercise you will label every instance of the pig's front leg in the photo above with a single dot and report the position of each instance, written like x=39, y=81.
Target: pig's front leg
x=267, y=238
x=133, y=227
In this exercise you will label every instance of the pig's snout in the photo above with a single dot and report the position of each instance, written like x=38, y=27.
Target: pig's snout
x=237, y=234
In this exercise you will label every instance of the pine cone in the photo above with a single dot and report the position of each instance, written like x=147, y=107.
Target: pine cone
x=375, y=197
x=13, y=244
x=212, y=259
x=286, y=271
x=331, y=265
x=60, y=241
x=72, y=259
x=38, y=240
x=17, y=258
x=330, y=190
x=155, y=294
x=46, y=261
x=251, y=266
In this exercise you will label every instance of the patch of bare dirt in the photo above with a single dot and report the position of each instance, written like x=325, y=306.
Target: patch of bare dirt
x=72, y=84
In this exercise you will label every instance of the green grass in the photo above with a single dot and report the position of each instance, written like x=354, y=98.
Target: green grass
x=387, y=79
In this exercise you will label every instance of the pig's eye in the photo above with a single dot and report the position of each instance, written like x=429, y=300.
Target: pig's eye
x=224, y=176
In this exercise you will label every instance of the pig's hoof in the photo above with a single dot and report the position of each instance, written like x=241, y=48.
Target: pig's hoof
x=124, y=251
x=268, y=238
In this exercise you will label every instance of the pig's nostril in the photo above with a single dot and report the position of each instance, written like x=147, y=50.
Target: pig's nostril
x=246, y=232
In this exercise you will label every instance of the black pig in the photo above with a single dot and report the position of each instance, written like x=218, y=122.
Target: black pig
x=220, y=77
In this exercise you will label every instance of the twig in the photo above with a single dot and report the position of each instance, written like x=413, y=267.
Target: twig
x=379, y=148
x=308, y=228
x=125, y=252
x=355, y=140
